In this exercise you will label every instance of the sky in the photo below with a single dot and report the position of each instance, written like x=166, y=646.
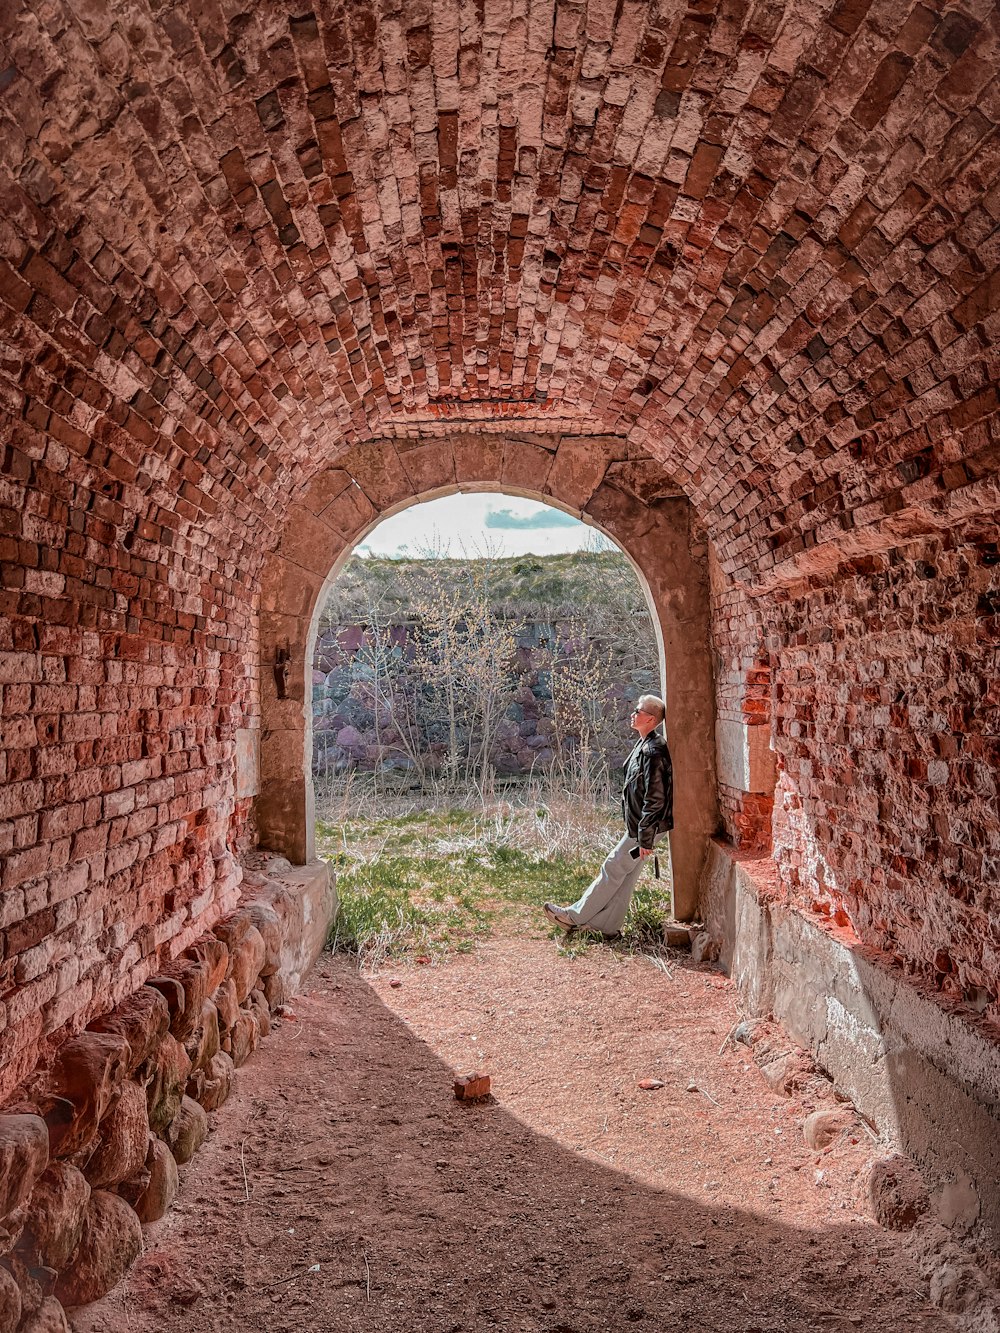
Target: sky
x=469, y=524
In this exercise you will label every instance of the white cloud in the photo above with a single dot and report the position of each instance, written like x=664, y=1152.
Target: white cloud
x=504, y=524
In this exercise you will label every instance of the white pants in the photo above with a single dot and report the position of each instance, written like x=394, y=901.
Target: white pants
x=603, y=906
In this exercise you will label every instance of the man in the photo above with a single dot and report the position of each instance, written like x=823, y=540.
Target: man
x=647, y=805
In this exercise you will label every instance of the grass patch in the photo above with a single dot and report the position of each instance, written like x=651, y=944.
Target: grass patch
x=649, y=908
x=641, y=933
x=429, y=882
x=391, y=905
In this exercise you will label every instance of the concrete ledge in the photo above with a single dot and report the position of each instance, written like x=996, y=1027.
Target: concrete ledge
x=928, y=1076
x=305, y=900
x=744, y=758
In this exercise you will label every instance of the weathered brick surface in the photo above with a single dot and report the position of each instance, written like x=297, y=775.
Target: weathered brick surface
x=743, y=696
x=883, y=707
x=124, y=679
x=886, y=710
x=756, y=242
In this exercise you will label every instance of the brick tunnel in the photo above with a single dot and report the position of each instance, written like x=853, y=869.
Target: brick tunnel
x=720, y=278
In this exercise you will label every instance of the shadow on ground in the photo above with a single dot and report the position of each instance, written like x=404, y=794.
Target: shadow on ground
x=345, y=1189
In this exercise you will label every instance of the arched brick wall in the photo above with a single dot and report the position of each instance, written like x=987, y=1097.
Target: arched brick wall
x=599, y=479
x=758, y=243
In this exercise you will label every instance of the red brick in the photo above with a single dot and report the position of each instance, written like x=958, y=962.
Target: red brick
x=472, y=1087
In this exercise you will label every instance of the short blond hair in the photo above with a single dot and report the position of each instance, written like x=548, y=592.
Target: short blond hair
x=652, y=705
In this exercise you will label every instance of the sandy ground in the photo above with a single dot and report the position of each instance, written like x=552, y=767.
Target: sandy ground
x=344, y=1188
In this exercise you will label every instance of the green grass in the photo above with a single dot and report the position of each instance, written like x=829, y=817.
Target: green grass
x=426, y=883
x=392, y=906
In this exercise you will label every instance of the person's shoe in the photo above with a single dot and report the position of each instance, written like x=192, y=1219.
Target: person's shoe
x=559, y=916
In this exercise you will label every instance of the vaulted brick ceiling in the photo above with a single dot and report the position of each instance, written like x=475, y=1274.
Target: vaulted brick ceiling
x=757, y=240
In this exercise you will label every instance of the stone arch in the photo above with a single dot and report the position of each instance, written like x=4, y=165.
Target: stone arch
x=598, y=479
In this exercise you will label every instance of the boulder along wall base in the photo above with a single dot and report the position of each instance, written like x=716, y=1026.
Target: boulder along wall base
x=91, y=1145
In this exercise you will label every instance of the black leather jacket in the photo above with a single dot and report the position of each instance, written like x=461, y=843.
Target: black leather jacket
x=648, y=793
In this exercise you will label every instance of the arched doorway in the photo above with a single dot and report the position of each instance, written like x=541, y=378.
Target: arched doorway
x=596, y=479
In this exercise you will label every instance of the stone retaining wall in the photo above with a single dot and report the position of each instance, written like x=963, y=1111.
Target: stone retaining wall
x=90, y=1150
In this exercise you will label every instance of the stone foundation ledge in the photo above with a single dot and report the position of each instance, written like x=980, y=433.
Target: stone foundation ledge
x=89, y=1151
x=926, y=1075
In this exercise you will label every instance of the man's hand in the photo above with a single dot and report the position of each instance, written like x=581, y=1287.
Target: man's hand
x=644, y=852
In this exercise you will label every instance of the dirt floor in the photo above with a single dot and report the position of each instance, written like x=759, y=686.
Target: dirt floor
x=344, y=1187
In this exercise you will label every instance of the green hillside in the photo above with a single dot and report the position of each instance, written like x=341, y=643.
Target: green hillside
x=587, y=583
